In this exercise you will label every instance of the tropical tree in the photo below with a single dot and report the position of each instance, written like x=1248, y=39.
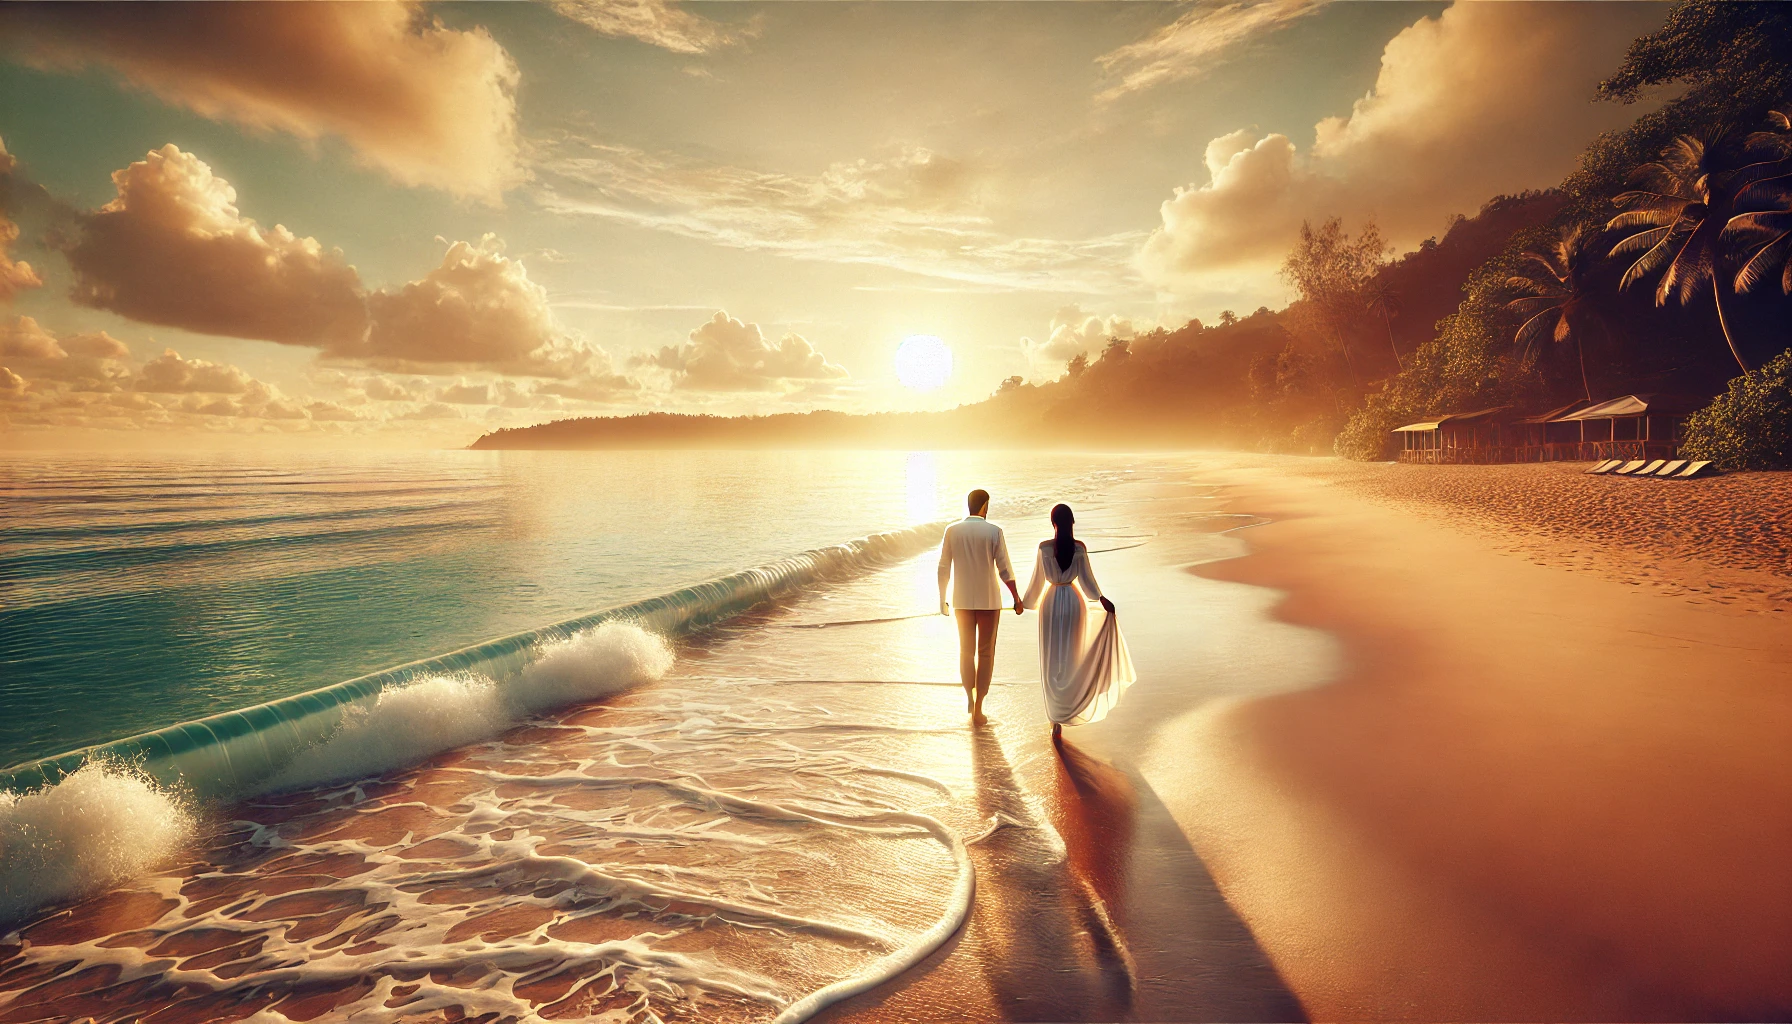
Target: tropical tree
x=1674, y=223
x=1762, y=233
x=1330, y=269
x=1382, y=298
x=1556, y=296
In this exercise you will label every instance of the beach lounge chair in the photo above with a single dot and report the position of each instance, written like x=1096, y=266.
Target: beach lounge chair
x=1651, y=469
x=1629, y=468
x=1671, y=468
x=1695, y=469
x=1607, y=466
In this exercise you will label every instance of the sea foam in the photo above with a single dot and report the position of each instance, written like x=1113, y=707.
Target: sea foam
x=99, y=826
x=406, y=723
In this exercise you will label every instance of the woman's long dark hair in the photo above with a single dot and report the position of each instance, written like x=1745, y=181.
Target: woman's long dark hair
x=1064, y=542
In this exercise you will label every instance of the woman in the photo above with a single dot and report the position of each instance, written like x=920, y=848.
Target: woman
x=1082, y=681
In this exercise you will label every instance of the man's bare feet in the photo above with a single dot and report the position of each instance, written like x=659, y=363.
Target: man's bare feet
x=1057, y=731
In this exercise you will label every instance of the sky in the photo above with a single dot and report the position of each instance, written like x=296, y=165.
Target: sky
x=401, y=224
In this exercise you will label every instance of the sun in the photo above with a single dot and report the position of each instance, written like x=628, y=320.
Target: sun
x=923, y=362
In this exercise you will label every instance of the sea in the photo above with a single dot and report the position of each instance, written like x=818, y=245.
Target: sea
x=630, y=736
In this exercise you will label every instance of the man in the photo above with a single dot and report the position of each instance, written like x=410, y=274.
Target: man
x=975, y=551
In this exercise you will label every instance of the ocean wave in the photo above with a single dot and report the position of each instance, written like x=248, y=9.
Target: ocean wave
x=78, y=821
x=101, y=825
x=409, y=722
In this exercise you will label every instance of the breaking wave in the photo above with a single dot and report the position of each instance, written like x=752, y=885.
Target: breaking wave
x=101, y=825
x=408, y=723
x=90, y=817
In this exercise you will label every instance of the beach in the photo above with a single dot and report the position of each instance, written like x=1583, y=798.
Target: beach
x=1551, y=779
x=1408, y=743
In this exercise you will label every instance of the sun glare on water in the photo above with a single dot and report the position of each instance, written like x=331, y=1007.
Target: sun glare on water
x=923, y=362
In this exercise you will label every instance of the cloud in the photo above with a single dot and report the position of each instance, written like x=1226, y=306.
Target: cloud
x=1194, y=43
x=467, y=394
x=173, y=249
x=425, y=104
x=432, y=411
x=168, y=373
x=475, y=307
x=331, y=412
x=10, y=382
x=1074, y=331
x=1483, y=99
x=917, y=211
x=85, y=381
x=89, y=362
x=15, y=275
x=385, y=389
x=656, y=22
x=725, y=354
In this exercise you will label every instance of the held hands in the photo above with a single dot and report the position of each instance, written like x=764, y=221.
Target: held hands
x=1108, y=605
x=1019, y=607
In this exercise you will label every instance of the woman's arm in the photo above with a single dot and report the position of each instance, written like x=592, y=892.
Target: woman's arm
x=1086, y=579
x=1037, y=584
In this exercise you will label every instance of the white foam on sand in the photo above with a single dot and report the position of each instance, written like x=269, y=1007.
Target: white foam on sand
x=101, y=825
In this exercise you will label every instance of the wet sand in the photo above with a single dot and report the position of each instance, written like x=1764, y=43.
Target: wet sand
x=1552, y=780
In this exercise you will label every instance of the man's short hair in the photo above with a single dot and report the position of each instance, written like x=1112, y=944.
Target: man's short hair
x=977, y=500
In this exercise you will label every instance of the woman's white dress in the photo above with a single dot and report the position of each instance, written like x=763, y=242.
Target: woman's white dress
x=1082, y=679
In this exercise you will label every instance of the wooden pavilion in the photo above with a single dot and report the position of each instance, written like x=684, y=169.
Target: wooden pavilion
x=1458, y=437
x=1643, y=426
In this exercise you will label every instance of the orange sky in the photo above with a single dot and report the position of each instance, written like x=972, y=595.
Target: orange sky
x=399, y=224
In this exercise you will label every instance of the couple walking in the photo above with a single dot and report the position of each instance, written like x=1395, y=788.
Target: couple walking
x=1082, y=680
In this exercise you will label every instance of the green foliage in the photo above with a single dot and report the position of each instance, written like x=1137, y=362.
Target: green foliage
x=1715, y=43
x=1750, y=425
x=1736, y=59
x=1473, y=364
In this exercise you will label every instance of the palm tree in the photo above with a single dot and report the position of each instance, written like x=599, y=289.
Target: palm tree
x=1762, y=233
x=1676, y=222
x=1381, y=298
x=1556, y=297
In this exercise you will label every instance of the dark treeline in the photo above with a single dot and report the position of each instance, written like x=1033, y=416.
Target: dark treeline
x=1659, y=265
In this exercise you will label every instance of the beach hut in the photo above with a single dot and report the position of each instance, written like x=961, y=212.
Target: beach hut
x=1545, y=438
x=1632, y=427
x=1486, y=435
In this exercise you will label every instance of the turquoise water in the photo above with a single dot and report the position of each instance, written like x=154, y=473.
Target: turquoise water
x=137, y=592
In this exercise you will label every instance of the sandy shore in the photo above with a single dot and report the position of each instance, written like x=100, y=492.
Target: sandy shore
x=1552, y=779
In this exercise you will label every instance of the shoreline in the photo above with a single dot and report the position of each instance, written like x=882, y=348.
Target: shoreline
x=1528, y=793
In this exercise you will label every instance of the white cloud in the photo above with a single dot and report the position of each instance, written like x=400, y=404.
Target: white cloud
x=386, y=389
x=1483, y=99
x=86, y=381
x=725, y=354
x=1074, y=331
x=173, y=249
x=660, y=23
x=918, y=212
x=1196, y=41
x=331, y=411
x=15, y=275
x=168, y=373
x=425, y=104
